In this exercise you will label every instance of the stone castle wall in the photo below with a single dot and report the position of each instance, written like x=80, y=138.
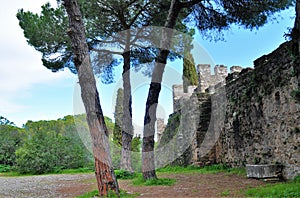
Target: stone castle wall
x=262, y=124
x=254, y=118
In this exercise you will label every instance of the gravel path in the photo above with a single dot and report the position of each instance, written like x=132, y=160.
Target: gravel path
x=187, y=185
x=46, y=185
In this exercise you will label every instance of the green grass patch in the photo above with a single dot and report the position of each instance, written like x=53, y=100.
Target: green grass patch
x=139, y=181
x=111, y=194
x=217, y=168
x=13, y=173
x=225, y=193
x=89, y=194
x=75, y=171
x=237, y=171
x=288, y=189
x=123, y=174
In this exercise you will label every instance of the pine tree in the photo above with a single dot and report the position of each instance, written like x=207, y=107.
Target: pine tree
x=106, y=179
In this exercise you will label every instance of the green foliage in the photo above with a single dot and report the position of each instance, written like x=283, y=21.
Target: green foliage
x=297, y=179
x=171, y=129
x=124, y=174
x=219, y=15
x=117, y=132
x=217, y=168
x=52, y=146
x=109, y=124
x=225, y=193
x=190, y=76
x=139, y=181
x=11, y=139
x=135, y=155
x=5, y=121
x=115, y=151
x=111, y=194
x=288, y=189
x=76, y=171
x=296, y=94
x=47, y=152
x=47, y=33
x=5, y=168
x=92, y=194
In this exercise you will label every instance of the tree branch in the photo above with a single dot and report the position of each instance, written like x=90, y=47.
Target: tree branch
x=137, y=15
x=187, y=4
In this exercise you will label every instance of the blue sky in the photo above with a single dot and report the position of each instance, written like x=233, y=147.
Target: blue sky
x=31, y=92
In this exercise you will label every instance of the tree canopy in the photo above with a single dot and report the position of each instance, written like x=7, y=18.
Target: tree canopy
x=46, y=32
x=5, y=121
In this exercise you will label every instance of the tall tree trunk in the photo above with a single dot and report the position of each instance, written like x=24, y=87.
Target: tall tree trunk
x=148, y=160
x=127, y=128
x=104, y=172
x=297, y=24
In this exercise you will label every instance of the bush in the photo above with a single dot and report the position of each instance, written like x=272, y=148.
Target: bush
x=124, y=174
x=139, y=181
x=4, y=168
x=11, y=139
x=47, y=152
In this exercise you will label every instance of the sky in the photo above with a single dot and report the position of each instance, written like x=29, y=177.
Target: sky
x=28, y=91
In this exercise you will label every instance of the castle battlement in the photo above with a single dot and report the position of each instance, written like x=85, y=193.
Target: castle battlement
x=207, y=80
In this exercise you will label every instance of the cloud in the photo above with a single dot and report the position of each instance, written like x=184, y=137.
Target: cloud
x=20, y=64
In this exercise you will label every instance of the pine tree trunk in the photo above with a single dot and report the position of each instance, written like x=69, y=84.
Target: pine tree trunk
x=127, y=128
x=105, y=176
x=297, y=24
x=148, y=159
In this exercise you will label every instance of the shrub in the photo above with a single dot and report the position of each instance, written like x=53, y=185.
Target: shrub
x=124, y=174
x=47, y=152
x=139, y=181
x=4, y=168
x=11, y=139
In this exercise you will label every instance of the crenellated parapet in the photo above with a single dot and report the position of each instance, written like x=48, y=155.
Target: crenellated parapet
x=208, y=82
x=179, y=95
x=207, y=79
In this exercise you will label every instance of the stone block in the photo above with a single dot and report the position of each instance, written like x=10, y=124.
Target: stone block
x=264, y=171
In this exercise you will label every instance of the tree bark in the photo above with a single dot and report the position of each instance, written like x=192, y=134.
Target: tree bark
x=148, y=160
x=127, y=128
x=297, y=24
x=104, y=172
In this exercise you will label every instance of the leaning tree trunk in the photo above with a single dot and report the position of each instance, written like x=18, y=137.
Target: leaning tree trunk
x=127, y=128
x=148, y=160
x=104, y=172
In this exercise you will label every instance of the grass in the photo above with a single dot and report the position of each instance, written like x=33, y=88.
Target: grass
x=139, y=181
x=63, y=171
x=203, y=170
x=225, y=193
x=288, y=189
x=74, y=171
x=123, y=174
x=111, y=194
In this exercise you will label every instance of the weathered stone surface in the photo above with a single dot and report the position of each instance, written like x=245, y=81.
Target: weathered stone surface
x=255, y=116
x=160, y=127
x=263, y=171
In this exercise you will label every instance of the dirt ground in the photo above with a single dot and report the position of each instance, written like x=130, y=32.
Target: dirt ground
x=187, y=185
